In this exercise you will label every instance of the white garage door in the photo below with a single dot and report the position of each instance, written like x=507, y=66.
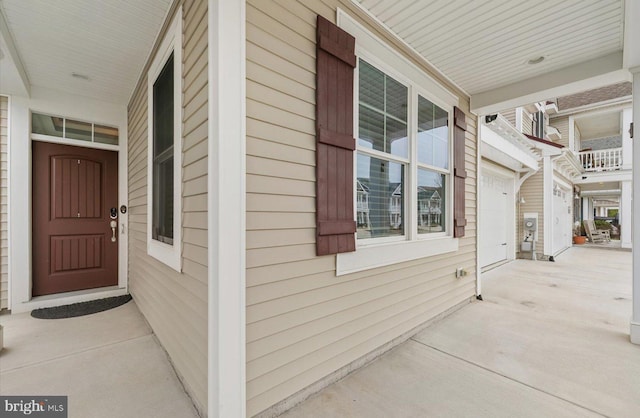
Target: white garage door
x=495, y=204
x=561, y=219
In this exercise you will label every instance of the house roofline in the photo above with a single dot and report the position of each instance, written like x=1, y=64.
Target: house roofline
x=574, y=111
x=543, y=141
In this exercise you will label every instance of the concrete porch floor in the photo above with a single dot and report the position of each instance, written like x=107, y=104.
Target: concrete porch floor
x=109, y=364
x=549, y=340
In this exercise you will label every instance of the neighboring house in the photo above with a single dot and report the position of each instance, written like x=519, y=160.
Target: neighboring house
x=210, y=161
x=429, y=209
x=578, y=177
x=362, y=205
x=597, y=124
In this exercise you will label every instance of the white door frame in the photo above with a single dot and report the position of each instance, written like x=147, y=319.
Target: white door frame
x=20, y=189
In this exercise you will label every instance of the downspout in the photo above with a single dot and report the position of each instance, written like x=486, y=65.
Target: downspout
x=478, y=180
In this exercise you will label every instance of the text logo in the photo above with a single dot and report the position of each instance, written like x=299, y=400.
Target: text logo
x=33, y=406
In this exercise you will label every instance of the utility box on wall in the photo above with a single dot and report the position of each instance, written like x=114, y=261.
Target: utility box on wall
x=527, y=246
x=529, y=234
x=530, y=224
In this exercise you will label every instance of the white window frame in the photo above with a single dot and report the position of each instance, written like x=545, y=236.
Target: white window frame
x=171, y=255
x=379, y=252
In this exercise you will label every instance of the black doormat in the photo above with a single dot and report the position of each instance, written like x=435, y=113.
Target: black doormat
x=80, y=309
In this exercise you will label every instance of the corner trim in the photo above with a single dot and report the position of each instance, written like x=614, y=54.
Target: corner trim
x=226, y=200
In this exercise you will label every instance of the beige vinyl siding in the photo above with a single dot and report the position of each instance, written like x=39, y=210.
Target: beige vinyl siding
x=532, y=190
x=4, y=194
x=176, y=304
x=510, y=115
x=527, y=123
x=303, y=322
x=562, y=125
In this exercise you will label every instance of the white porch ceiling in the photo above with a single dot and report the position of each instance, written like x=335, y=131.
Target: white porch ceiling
x=106, y=40
x=484, y=46
x=599, y=126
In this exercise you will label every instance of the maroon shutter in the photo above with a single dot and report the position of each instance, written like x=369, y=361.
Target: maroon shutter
x=335, y=63
x=459, y=173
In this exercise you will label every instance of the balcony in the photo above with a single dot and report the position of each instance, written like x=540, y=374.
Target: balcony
x=601, y=160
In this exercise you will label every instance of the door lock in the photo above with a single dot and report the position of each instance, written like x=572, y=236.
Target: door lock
x=114, y=228
x=113, y=213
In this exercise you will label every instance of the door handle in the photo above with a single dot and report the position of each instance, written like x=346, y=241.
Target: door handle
x=114, y=227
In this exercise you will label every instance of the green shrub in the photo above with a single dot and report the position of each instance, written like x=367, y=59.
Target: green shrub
x=602, y=224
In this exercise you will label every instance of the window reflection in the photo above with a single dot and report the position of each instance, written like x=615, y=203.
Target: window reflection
x=431, y=198
x=379, y=198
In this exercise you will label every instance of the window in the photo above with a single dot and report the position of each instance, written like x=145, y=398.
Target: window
x=65, y=128
x=403, y=164
x=382, y=152
x=393, y=152
x=164, y=188
x=163, y=144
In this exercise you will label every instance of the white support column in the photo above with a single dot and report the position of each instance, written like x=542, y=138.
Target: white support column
x=547, y=182
x=586, y=202
x=635, y=319
x=572, y=134
x=227, y=209
x=627, y=143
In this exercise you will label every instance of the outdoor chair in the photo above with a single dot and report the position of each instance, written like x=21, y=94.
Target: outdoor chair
x=596, y=235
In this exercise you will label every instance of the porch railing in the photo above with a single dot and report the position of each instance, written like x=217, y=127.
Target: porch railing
x=601, y=160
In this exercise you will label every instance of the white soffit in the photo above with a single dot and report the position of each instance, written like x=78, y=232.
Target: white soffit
x=485, y=45
x=599, y=126
x=106, y=40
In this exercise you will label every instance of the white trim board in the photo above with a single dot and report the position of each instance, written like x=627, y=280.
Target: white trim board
x=512, y=156
x=227, y=209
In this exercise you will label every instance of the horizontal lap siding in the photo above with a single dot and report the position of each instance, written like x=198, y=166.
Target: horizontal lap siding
x=510, y=115
x=303, y=322
x=527, y=123
x=532, y=190
x=176, y=304
x=4, y=192
x=562, y=125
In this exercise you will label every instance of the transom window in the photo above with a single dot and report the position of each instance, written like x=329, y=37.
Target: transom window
x=61, y=127
x=403, y=159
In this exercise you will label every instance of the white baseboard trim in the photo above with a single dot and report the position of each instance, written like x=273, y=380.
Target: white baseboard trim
x=341, y=373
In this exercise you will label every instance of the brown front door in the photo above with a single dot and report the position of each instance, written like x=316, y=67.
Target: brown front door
x=74, y=190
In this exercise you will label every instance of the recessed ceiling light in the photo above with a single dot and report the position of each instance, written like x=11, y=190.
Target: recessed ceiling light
x=537, y=60
x=80, y=76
